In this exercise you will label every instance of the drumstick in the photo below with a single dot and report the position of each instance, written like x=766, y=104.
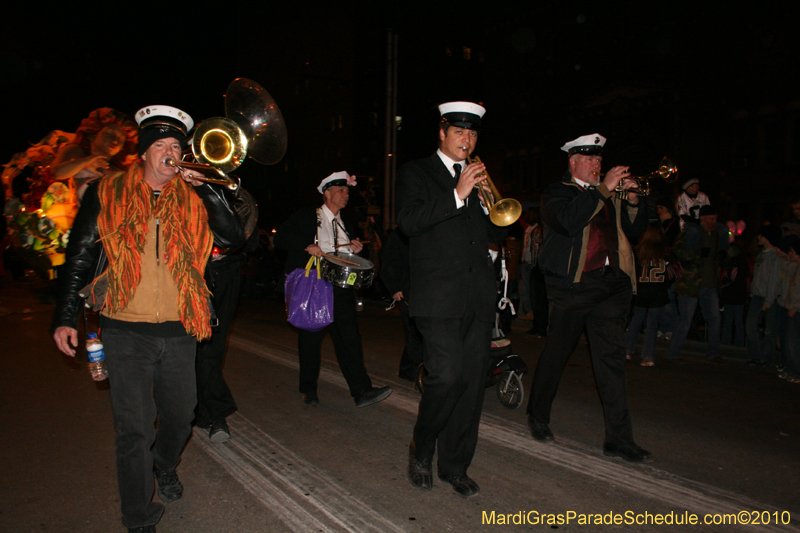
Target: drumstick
x=340, y=259
x=348, y=244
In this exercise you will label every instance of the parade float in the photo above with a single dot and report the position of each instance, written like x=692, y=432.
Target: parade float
x=43, y=185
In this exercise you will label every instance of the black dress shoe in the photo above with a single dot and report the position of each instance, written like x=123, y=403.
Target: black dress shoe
x=539, y=430
x=144, y=529
x=372, y=395
x=420, y=473
x=464, y=485
x=628, y=451
x=310, y=399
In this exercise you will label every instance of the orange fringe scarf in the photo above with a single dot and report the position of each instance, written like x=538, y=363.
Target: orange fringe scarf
x=126, y=204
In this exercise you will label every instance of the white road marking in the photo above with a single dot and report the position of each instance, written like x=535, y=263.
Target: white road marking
x=303, y=497
x=642, y=480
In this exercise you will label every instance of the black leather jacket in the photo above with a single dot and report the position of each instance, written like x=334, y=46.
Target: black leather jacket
x=86, y=258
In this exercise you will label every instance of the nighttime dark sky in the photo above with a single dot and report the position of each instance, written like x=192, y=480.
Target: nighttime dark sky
x=543, y=58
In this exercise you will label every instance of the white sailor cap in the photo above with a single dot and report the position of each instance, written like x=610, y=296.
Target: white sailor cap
x=462, y=114
x=337, y=178
x=586, y=145
x=162, y=121
x=164, y=115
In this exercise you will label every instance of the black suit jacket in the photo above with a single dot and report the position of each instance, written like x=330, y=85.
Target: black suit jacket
x=298, y=232
x=449, y=247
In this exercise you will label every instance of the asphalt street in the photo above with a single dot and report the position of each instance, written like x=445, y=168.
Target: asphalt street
x=725, y=440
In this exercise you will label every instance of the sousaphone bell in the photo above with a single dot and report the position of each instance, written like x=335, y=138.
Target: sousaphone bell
x=254, y=128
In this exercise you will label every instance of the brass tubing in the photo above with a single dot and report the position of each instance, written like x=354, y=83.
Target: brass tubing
x=502, y=211
x=222, y=179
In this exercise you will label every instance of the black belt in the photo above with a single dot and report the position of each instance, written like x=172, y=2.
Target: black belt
x=602, y=271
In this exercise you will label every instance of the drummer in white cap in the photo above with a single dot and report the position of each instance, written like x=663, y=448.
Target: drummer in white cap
x=335, y=190
x=319, y=231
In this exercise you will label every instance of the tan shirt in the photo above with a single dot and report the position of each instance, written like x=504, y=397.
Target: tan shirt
x=155, y=299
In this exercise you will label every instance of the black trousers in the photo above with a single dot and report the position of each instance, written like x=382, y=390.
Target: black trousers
x=599, y=303
x=457, y=359
x=214, y=398
x=346, y=342
x=150, y=378
x=412, y=353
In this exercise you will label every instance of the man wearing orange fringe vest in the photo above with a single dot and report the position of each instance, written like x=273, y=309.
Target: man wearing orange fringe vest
x=148, y=233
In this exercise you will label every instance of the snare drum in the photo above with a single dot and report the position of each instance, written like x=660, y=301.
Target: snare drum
x=348, y=276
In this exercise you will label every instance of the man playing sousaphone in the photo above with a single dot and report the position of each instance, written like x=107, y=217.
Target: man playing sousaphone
x=319, y=231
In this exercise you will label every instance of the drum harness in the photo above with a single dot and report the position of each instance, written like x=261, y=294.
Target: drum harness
x=335, y=230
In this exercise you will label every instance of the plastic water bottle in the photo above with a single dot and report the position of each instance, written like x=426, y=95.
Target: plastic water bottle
x=97, y=357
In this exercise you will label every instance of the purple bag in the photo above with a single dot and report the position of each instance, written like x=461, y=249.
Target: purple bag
x=309, y=298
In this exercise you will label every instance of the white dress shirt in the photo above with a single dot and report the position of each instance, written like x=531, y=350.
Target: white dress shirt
x=325, y=232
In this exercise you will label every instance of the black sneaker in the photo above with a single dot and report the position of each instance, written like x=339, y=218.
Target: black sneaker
x=169, y=486
x=219, y=431
x=372, y=395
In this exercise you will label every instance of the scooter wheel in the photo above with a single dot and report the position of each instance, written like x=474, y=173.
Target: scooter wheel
x=509, y=389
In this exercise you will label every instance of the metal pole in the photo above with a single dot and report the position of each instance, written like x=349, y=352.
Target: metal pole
x=387, y=149
x=390, y=165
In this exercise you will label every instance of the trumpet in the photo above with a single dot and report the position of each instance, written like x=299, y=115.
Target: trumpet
x=666, y=171
x=502, y=211
x=220, y=179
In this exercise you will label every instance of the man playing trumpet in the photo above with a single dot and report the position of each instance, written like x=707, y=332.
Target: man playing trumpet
x=589, y=270
x=453, y=281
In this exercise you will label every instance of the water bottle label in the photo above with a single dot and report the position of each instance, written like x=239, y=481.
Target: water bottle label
x=96, y=356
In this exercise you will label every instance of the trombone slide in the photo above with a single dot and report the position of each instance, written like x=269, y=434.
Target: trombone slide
x=220, y=179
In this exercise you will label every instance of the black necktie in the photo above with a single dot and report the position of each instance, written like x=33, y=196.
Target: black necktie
x=457, y=168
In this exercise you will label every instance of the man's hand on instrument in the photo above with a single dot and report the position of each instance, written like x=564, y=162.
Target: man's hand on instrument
x=613, y=177
x=397, y=296
x=314, y=250
x=627, y=185
x=190, y=175
x=356, y=245
x=469, y=177
x=64, y=337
